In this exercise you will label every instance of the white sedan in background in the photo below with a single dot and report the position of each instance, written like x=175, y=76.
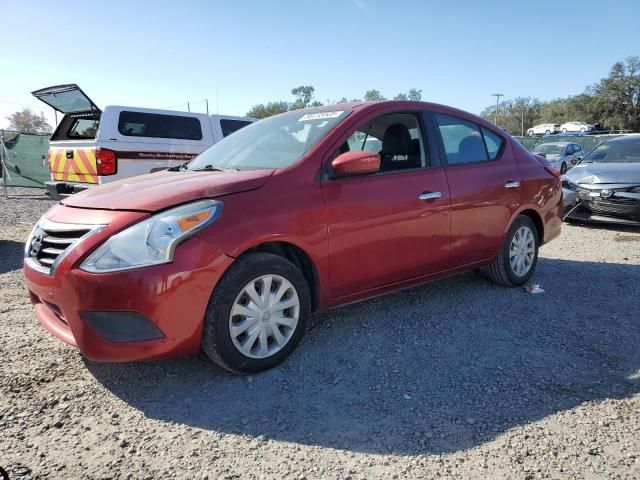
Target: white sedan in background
x=544, y=129
x=576, y=127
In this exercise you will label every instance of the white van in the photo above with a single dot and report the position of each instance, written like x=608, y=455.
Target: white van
x=91, y=147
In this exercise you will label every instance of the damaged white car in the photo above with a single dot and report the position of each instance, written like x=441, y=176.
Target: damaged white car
x=605, y=185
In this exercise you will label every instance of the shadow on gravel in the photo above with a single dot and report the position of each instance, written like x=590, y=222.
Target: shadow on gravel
x=11, y=255
x=434, y=369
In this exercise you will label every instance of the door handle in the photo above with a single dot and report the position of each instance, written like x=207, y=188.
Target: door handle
x=512, y=184
x=429, y=195
x=69, y=154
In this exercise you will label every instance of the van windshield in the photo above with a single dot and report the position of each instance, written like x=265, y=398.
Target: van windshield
x=275, y=142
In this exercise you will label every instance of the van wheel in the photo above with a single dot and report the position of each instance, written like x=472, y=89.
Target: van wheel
x=518, y=257
x=257, y=314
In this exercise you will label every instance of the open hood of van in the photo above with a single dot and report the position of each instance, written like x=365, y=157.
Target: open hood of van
x=157, y=191
x=66, y=99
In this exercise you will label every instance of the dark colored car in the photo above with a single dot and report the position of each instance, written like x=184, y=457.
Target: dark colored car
x=234, y=251
x=605, y=185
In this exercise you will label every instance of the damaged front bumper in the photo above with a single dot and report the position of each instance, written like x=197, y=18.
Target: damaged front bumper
x=602, y=203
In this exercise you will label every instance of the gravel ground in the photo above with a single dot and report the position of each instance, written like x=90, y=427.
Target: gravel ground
x=456, y=379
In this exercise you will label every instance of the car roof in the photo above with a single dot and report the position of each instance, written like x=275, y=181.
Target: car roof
x=562, y=144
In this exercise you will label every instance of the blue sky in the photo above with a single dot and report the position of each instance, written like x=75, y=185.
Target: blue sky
x=161, y=54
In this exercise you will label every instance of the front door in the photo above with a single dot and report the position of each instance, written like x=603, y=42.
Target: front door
x=393, y=225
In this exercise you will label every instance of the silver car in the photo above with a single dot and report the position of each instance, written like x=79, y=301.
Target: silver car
x=561, y=155
x=605, y=185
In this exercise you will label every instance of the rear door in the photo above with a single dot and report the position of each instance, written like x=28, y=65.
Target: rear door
x=484, y=183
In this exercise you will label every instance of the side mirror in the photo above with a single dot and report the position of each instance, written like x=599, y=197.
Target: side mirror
x=578, y=158
x=356, y=163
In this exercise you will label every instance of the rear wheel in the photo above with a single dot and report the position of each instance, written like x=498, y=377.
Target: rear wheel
x=530, y=133
x=583, y=129
x=547, y=132
x=257, y=314
x=564, y=130
x=518, y=257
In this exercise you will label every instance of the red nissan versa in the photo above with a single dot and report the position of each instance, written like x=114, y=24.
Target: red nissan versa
x=292, y=214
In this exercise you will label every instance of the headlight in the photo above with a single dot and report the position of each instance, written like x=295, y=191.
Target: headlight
x=152, y=241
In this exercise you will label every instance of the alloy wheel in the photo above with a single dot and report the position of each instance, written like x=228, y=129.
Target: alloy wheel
x=264, y=316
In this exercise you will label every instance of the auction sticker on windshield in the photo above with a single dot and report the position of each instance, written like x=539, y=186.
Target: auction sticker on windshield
x=320, y=115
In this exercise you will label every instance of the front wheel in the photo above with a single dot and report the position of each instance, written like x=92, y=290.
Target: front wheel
x=563, y=168
x=530, y=133
x=518, y=256
x=257, y=314
x=564, y=130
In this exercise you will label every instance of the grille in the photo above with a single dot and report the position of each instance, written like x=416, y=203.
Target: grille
x=50, y=241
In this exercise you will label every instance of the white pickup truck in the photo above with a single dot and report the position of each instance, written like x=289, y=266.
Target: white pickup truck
x=91, y=146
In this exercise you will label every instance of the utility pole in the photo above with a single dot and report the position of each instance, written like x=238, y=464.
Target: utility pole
x=497, y=95
x=188, y=107
x=207, y=102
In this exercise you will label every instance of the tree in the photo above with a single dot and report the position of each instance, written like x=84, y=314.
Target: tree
x=617, y=97
x=414, y=95
x=517, y=115
x=269, y=109
x=27, y=121
x=373, y=96
x=304, y=97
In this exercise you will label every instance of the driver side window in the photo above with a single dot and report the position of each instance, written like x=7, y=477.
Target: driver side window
x=395, y=137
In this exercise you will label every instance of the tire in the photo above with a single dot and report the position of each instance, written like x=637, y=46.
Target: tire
x=583, y=130
x=530, y=133
x=563, y=168
x=230, y=293
x=564, y=130
x=501, y=270
x=547, y=132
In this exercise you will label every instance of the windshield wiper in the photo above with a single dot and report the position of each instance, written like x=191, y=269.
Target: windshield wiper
x=177, y=168
x=211, y=168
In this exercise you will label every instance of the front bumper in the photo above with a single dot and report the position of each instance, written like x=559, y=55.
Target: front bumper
x=143, y=314
x=587, y=206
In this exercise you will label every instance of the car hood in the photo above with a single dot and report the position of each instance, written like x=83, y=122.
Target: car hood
x=595, y=173
x=553, y=157
x=157, y=191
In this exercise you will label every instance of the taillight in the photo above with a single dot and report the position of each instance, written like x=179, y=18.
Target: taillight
x=106, y=161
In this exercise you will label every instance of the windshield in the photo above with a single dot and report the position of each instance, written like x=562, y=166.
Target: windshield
x=625, y=150
x=550, y=149
x=275, y=142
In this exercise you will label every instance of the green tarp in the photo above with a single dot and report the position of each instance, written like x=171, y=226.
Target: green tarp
x=587, y=142
x=25, y=159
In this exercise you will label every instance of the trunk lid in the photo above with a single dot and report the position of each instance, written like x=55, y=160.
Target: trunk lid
x=157, y=191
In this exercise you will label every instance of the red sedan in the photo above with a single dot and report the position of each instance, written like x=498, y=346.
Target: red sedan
x=300, y=212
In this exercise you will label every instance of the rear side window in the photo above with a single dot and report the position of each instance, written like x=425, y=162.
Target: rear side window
x=155, y=125
x=462, y=140
x=83, y=128
x=493, y=143
x=229, y=126
x=465, y=142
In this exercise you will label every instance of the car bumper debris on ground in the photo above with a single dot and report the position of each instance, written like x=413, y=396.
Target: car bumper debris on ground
x=456, y=379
